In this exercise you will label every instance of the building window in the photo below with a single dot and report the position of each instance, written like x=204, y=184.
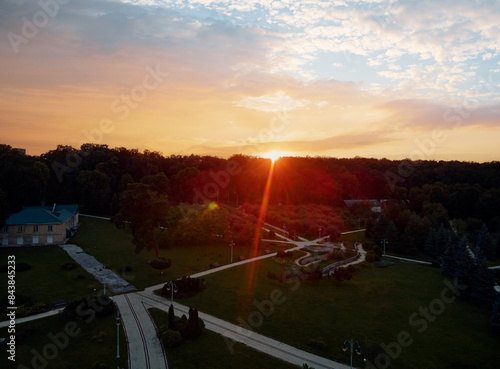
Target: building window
x=50, y=228
x=35, y=240
x=50, y=239
x=35, y=228
x=19, y=228
x=5, y=241
x=20, y=240
x=4, y=229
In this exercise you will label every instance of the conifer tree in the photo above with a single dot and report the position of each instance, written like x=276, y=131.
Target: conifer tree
x=465, y=267
x=482, y=283
x=485, y=243
x=430, y=243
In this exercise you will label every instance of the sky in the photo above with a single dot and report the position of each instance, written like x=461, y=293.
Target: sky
x=371, y=78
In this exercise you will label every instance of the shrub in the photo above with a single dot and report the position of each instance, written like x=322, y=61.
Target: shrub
x=99, y=337
x=32, y=309
x=125, y=269
x=342, y=274
x=101, y=306
x=317, y=343
x=271, y=275
x=161, y=263
x=20, y=267
x=335, y=255
x=171, y=338
x=371, y=257
x=68, y=266
x=352, y=269
x=284, y=254
x=186, y=287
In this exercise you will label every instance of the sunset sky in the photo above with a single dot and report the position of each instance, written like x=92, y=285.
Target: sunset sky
x=395, y=79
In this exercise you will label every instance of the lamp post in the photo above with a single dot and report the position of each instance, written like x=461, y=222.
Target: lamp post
x=351, y=344
x=172, y=288
x=231, y=244
x=384, y=240
x=117, y=334
x=319, y=230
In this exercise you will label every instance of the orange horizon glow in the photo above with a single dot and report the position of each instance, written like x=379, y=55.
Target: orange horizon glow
x=274, y=156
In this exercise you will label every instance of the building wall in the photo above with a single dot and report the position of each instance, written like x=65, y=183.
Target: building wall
x=41, y=236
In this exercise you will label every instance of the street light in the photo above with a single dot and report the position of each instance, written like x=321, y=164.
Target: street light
x=171, y=286
x=384, y=240
x=319, y=230
x=117, y=334
x=351, y=344
x=231, y=244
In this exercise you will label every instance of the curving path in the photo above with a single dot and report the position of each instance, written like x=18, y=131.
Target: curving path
x=144, y=347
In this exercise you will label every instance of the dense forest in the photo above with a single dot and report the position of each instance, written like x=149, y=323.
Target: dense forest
x=420, y=197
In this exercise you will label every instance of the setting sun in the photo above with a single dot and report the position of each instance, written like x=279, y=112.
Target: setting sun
x=273, y=155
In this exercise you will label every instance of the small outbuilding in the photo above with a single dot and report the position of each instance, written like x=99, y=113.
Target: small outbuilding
x=40, y=225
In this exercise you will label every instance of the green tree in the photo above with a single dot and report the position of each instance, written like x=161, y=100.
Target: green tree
x=392, y=236
x=94, y=190
x=146, y=212
x=485, y=244
x=466, y=265
x=482, y=284
x=407, y=244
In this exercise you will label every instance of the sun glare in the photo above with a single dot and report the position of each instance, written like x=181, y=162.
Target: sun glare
x=273, y=155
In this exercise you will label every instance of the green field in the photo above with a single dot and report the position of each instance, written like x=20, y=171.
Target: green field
x=80, y=351
x=373, y=308
x=114, y=247
x=211, y=351
x=46, y=282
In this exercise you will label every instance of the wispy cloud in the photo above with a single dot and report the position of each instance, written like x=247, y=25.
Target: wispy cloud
x=365, y=75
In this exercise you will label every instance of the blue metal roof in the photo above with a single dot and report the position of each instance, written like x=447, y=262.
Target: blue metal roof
x=43, y=215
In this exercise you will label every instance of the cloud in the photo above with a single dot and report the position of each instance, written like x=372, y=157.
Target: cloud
x=276, y=102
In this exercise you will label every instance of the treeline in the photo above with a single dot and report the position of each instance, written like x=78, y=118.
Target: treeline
x=96, y=176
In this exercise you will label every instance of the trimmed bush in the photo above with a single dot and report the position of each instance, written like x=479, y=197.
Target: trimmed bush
x=317, y=343
x=32, y=309
x=20, y=267
x=371, y=257
x=171, y=338
x=161, y=263
x=68, y=266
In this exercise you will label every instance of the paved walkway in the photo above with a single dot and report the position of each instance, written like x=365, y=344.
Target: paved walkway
x=234, y=333
x=104, y=276
x=144, y=347
x=32, y=317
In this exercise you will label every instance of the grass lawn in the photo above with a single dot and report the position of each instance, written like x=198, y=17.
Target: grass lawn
x=46, y=281
x=80, y=352
x=210, y=351
x=114, y=247
x=373, y=308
